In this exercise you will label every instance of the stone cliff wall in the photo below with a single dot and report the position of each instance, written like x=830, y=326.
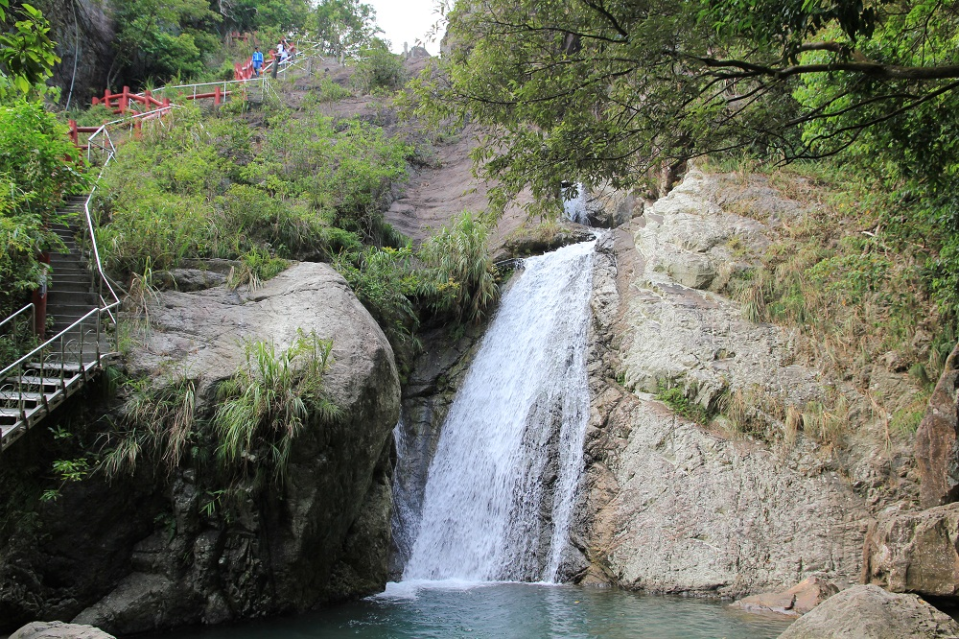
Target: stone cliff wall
x=676, y=506
x=83, y=31
x=150, y=552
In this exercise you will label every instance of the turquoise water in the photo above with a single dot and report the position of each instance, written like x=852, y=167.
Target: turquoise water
x=509, y=611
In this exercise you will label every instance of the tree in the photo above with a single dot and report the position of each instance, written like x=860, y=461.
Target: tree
x=345, y=26
x=249, y=15
x=162, y=38
x=26, y=51
x=597, y=90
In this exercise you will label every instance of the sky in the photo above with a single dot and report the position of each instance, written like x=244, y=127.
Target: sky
x=405, y=21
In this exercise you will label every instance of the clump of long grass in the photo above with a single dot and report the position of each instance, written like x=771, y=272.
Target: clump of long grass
x=853, y=292
x=270, y=401
x=462, y=278
x=256, y=266
x=159, y=423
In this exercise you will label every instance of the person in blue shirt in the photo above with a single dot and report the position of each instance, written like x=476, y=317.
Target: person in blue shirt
x=257, y=62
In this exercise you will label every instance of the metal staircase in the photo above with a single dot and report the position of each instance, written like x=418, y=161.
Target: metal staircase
x=41, y=380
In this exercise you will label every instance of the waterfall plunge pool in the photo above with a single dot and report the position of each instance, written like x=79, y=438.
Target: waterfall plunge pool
x=453, y=610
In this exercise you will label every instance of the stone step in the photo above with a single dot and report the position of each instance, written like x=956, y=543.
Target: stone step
x=60, y=296
x=73, y=285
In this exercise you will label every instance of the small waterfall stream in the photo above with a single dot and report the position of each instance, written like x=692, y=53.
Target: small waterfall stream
x=501, y=487
x=575, y=209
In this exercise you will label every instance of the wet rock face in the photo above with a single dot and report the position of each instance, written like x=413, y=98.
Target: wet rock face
x=427, y=397
x=83, y=31
x=609, y=208
x=915, y=552
x=937, y=448
x=869, y=612
x=321, y=536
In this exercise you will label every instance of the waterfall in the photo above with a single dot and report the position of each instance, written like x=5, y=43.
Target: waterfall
x=575, y=209
x=499, y=495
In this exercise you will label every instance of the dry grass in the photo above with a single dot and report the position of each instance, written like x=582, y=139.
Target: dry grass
x=856, y=297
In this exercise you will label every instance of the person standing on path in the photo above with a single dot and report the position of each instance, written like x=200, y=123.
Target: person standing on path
x=257, y=60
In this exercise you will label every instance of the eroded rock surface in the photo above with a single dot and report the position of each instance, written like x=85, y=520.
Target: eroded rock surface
x=915, y=552
x=937, y=448
x=869, y=612
x=675, y=506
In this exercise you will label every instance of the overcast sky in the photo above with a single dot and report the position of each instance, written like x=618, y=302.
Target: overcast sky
x=405, y=21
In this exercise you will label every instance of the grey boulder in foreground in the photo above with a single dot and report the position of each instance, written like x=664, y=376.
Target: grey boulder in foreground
x=869, y=612
x=59, y=630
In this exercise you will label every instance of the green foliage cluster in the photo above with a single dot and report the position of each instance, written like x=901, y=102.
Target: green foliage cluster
x=656, y=83
x=247, y=441
x=344, y=27
x=38, y=167
x=451, y=279
x=675, y=397
x=255, y=15
x=462, y=278
x=161, y=38
x=26, y=52
x=304, y=188
x=379, y=71
x=158, y=40
x=342, y=168
x=204, y=188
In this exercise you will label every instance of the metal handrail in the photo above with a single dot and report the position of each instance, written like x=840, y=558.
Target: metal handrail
x=59, y=336
x=30, y=307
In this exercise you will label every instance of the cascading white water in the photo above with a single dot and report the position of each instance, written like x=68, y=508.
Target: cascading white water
x=500, y=491
x=575, y=209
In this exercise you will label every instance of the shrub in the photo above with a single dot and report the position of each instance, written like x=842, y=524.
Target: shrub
x=379, y=70
x=461, y=282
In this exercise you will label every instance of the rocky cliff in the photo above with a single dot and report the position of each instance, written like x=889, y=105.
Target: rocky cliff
x=161, y=549
x=689, y=503
x=83, y=31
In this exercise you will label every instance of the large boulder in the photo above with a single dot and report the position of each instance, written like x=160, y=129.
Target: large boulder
x=915, y=552
x=936, y=440
x=794, y=602
x=869, y=612
x=58, y=630
x=188, y=554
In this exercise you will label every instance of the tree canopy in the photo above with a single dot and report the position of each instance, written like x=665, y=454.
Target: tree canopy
x=606, y=89
x=26, y=51
x=345, y=26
